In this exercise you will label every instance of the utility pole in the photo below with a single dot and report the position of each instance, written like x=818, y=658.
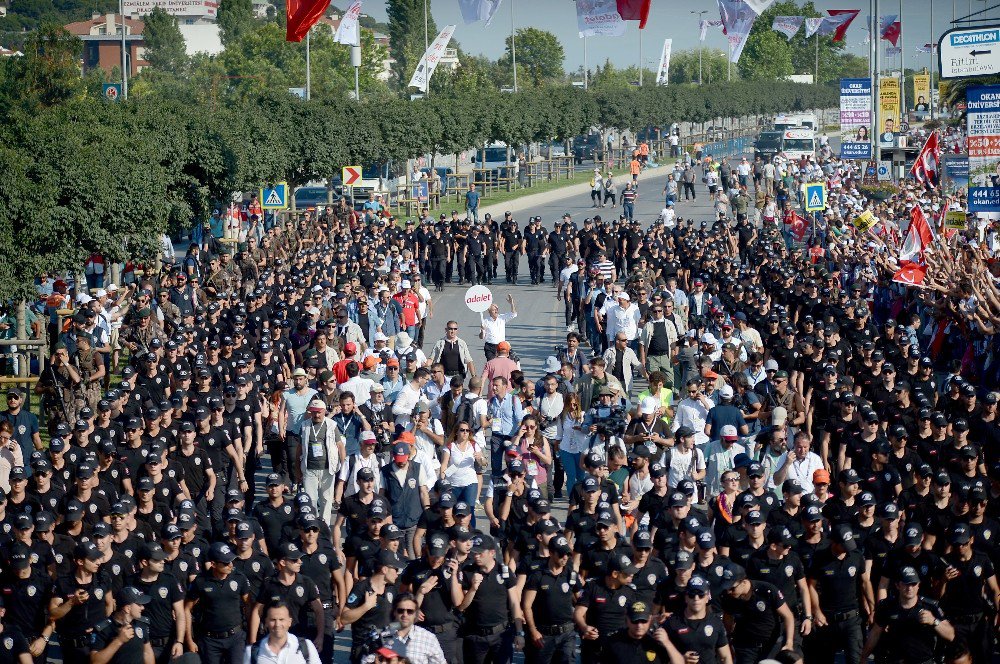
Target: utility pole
x=875, y=132
x=121, y=13
x=513, y=47
x=930, y=101
x=902, y=67
x=640, y=58
x=701, y=45
x=308, y=70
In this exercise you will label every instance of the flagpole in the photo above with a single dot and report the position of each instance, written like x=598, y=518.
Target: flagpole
x=640, y=58
x=875, y=132
x=426, y=43
x=308, y=70
x=816, y=81
x=902, y=67
x=729, y=63
x=585, y=70
x=513, y=48
x=701, y=43
x=930, y=102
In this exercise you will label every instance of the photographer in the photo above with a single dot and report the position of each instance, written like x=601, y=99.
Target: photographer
x=57, y=385
x=605, y=421
x=649, y=429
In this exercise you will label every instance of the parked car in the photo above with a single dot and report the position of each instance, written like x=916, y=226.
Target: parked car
x=587, y=148
x=307, y=197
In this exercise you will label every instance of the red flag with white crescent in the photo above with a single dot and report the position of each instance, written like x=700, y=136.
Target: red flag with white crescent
x=912, y=263
x=925, y=168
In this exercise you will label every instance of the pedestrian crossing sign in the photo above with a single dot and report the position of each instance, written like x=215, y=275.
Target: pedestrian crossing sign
x=815, y=196
x=274, y=197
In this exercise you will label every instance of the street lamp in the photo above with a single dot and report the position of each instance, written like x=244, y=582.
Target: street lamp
x=700, y=44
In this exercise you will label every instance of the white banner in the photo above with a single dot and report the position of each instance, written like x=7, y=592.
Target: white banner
x=428, y=63
x=703, y=26
x=787, y=25
x=479, y=10
x=663, y=74
x=347, y=31
x=599, y=18
x=812, y=25
x=206, y=8
x=738, y=18
x=759, y=6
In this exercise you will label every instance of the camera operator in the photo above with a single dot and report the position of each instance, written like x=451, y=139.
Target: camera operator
x=649, y=429
x=605, y=421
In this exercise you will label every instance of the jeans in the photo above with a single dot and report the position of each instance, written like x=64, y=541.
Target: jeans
x=319, y=485
x=467, y=494
x=628, y=210
x=472, y=213
x=571, y=466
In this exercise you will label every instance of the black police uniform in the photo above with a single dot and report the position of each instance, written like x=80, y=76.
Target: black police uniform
x=606, y=610
x=703, y=636
x=320, y=566
x=534, y=242
x=488, y=628
x=75, y=627
x=132, y=650
x=552, y=611
x=440, y=617
x=219, y=625
x=13, y=644
x=299, y=595
x=838, y=583
x=759, y=631
x=376, y=617
x=621, y=648
x=512, y=238
x=163, y=592
x=904, y=638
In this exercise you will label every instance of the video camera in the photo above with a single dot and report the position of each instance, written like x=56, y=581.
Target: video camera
x=610, y=421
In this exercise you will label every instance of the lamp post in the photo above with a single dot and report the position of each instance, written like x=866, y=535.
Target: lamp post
x=700, y=44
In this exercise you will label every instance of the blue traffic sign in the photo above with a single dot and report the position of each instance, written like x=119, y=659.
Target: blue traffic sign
x=112, y=91
x=274, y=197
x=815, y=196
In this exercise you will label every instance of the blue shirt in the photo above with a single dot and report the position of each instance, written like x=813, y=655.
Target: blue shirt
x=508, y=412
x=295, y=407
x=25, y=426
x=392, y=389
x=472, y=199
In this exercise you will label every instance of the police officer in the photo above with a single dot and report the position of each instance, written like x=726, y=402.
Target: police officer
x=548, y=608
x=536, y=246
x=492, y=615
x=79, y=601
x=429, y=579
x=511, y=244
x=475, y=255
x=969, y=579
x=698, y=634
x=370, y=603
x=165, y=610
x=763, y=622
x=290, y=586
x=907, y=627
x=321, y=564
x=600, y=610
x=25, y=598
x=835, y=585
x=220, y=594
x=124, y=636
x=636, y=643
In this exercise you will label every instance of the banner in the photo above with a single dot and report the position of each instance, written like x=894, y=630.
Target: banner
x=889, y=29
x=865, y=220
x=703, y=26
x=634, y=10
x=759, y=6
x=855, y=118
x=206, y=8
x=955, y=219
x=737, y=19
x=888, y=104
x=921, y=92
x=787, y=25
x=839, y=20
x=347, y=31
x=954, y=172
x=301, y=15
x=927, y=48
x=429, y=62
x=812, y=25
x=599, y=18
x=983, y=128
x=479, y=10
x=663, y=73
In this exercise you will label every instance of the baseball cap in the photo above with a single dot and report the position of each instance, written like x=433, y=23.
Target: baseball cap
x=639, y=612
x=697, y=585
x=706, y=539
x=622, y=564
x=130, y=595
x=843, y=534
x=483, y=542
x=220, y=552
x=913, y=535
x=731, y=576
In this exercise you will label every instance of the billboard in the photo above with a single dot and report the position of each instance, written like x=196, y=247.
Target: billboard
x=889, y=110
x=855, y=118
x=921, y=92
x=983, y=128
x=206, y=8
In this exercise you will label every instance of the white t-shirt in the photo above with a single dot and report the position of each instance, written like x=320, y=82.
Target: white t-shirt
x=682, y=464
x=425, y=297
x=495, y=331
x=461, y=465
x=349, y=472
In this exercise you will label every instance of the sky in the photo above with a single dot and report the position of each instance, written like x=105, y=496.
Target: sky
x=673, y=19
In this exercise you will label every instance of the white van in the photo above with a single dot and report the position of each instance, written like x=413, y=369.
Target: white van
x=796, y=121
x=798, y=143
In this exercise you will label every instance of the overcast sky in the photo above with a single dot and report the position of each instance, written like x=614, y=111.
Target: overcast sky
x=672, y=18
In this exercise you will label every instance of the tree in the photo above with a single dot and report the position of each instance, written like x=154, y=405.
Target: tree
x=47, y=75
x=539, y=52
x=767, y=57
x=165, y=48
x=406, y=36
x=235, y=20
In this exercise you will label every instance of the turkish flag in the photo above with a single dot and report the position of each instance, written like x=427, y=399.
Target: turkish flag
x=302, y=15
x=634, y=10
x=840, y=20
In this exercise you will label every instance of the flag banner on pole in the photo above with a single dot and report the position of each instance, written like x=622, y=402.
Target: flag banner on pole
x=634, y=10
x=927, y=48
x=663, y=73
x=912, y=260
x=812, y=26
x=890, y=28
x=787, y=25
x=759, y=6
x=893, y=51
x=840, y=20
x=737, y=21
x=921, y=92
x=429, y=62
x=599, y=18
x=703, y=26
x=347, y=31
x=926, y=167
x=479, y=10
x=300, y=15
x=855, y=118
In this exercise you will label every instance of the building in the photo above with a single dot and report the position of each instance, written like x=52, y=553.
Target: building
x=102, y=42
x=7, y=53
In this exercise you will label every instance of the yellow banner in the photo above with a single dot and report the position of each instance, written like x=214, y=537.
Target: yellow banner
x=865, y=220
x=888, y=101
x=921, y=92
x=955, y=219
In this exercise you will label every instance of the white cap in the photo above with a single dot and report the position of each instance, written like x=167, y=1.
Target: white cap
x=708, y=338
x=623, y=296
x=403, y=339
x=649, y=406
x=405, y=284
x=726, y=392
x=552, y=364
x=83, y=298
x=317, y=404
x=779, y=416
x=100, y=292
x=317, y=289
x=771, y=365
x=380, y=337
x=112, y=288
x=729, y=431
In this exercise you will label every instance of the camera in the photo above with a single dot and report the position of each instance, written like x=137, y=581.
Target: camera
x=610, y=421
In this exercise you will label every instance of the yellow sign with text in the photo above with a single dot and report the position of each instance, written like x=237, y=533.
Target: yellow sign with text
x=955, y=219
x=865, y=220
x=888, y=101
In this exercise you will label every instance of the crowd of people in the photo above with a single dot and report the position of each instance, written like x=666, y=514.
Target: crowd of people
x=765, y=448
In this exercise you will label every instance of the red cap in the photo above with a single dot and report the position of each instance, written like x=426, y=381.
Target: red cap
x=350, y=348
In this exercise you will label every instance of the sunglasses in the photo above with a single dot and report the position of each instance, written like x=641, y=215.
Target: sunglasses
x=452, y=329
x=465, y=429
x=406, y=612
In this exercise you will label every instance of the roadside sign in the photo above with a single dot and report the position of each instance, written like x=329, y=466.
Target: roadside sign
x=274, y=197
x=815, y=196
x=478, y=298
x=884, y=172
x=112, y=91
x=955, y=219
x=351, y=176
x=970, y=52
x=418, y=191
x=865, y=220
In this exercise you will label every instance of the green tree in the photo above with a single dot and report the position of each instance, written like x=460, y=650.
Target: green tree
x=767, y=57
x=406, y=36
x=47, y=75
x=235, y=20
x=539, y=53
x=165, y=48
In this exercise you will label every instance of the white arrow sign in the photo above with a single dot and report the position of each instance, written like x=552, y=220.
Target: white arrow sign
x=970, y=52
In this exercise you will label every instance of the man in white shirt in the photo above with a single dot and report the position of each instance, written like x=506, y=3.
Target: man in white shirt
x=280, y=647
x=720, y=457
x=493, y=327
x=408, y=397
x=799, y=463
x=621, y=315
x=692, y=411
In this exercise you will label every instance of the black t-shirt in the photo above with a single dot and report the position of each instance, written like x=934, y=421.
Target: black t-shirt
x=553, y=604
x=437, y=606
x=13, y=644
x=703, y=636
x=621, y=648
x=132, y=650
x=82, y=617
x=257, y=568
x=838, y=580
x=756, y=617
x=298, y=595
x=163, y=592
x=904, y=637
x=490, y=605
x=606, y=608
x=220, y=601
x=378, y=616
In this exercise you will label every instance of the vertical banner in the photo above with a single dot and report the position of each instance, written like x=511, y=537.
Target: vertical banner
x=663, y=73
x=888, y=103
x=921, y=92
x=429, y=62
x=599, y=18
x=982, y=119
x=479, y=10
x=737, y=19
x=347, y=31
x=787, y=25
x=855, y=118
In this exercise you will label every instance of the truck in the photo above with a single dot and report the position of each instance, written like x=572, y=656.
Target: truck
x=798, y=143
x=796, y=121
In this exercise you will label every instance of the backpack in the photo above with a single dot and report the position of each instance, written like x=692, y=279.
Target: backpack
x=303, y=650
x=466, y=413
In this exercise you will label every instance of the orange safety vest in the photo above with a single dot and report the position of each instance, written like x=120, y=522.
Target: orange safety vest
x=644, y=149
x=635, y=166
